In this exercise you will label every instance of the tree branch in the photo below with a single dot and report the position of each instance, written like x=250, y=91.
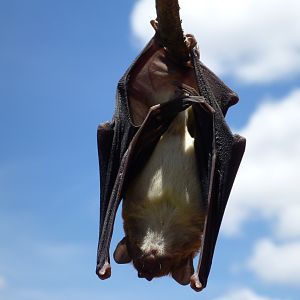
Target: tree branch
x=170, y=31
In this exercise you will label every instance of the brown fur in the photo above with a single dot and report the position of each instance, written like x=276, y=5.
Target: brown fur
x=163, y=212
x=181, y=223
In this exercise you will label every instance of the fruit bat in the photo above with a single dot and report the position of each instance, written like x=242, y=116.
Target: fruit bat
x=171, y=159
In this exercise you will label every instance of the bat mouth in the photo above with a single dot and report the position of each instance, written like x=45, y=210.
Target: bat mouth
x=146, y=276
x=152, y=265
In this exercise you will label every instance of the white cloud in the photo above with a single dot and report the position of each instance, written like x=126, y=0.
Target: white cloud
x=256, y=41
x=267, y=185
x=244, y=294
x=2, y=282
x=276, y=263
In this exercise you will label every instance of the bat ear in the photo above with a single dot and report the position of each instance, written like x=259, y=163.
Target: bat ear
x=183, y=273
x=121, y=255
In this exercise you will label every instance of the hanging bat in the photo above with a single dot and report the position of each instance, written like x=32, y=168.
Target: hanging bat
x=170, y=156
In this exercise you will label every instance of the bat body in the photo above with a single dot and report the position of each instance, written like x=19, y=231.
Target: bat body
x=169, y=154
x=163, y=209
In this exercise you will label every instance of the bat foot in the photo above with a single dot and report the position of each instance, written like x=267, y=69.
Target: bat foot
x=105, y=271
x=196, y=284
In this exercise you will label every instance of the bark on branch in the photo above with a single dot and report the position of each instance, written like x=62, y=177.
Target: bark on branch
x=169, y=28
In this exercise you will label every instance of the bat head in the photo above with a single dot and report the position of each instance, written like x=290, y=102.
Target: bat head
x=152, y=263
x=162, y=236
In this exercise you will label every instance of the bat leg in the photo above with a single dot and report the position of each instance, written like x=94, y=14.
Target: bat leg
x=121, y=255
x=105, y=271
x=195, y=283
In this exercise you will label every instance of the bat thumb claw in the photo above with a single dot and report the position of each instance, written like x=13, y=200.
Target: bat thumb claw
x=104, y=272
x=196, y=284
x=154, y=24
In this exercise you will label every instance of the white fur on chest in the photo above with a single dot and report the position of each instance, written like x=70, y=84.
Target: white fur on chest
x=164, y=201
x=171, y=170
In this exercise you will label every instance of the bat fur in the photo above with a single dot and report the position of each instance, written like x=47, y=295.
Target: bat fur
x=163, y=212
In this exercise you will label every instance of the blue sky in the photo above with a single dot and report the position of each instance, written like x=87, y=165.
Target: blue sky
x=59, y=65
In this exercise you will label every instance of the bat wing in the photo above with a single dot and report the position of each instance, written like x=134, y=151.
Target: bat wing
x=113, y=139
x=218, y=162
x=124, y=147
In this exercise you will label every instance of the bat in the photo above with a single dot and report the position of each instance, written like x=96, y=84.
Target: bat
x=170, y=157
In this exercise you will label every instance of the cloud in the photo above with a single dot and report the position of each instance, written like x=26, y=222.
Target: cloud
x=255, y=41
x=244, y=294
x=2, y=282
x=276, y=263
x=267, y=185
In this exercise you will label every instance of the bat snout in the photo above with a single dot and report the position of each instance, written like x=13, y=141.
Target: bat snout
x=150, y=260
x=149, y=266
x=150, y=263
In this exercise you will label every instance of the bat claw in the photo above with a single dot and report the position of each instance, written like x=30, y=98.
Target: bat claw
x=154, y=24
x=104, y=272
x=196, y=284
